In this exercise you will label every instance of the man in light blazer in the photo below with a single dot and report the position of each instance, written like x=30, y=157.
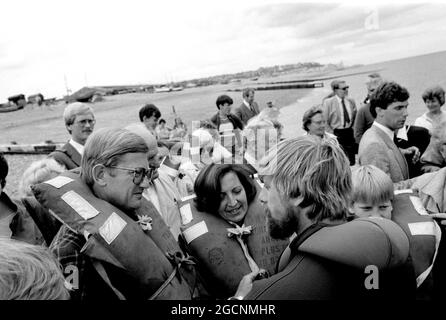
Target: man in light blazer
x=388, y=104
x=249, y=108
x=340, y=113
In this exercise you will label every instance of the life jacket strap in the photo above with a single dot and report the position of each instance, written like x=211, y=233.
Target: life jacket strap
x=101, y=271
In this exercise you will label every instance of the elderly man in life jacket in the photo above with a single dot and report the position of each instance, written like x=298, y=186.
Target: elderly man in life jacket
x=307, y=183
x=114, y=166
x=162, y=191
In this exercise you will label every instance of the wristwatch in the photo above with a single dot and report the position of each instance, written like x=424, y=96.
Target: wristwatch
x=236, y=298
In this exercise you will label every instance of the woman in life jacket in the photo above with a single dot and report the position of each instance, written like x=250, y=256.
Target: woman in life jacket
x=226, y=230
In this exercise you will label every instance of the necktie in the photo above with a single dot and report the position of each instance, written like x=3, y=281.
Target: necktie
x=346, y=116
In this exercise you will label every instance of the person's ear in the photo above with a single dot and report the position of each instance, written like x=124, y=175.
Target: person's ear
x=295, y=202
x=68, y=126
x=99, y=174
x=351, y=209
x=379, y=111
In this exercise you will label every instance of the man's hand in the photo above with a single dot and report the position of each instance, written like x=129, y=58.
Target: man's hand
x=412, y=151
x=245, y=285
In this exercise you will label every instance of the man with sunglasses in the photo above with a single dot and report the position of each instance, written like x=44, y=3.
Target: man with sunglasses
x=79, y=121
x=340, y=113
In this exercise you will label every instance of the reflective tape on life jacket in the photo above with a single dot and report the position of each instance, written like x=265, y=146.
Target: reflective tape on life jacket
x=423, y=232
x=216, y=245
x=115, y=238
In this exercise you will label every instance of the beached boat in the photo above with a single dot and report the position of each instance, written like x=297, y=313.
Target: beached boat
x=6, y=107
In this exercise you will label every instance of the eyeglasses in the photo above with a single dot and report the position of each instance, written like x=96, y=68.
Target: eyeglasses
x=85, y=121
x=138, y=173
x=344, y=88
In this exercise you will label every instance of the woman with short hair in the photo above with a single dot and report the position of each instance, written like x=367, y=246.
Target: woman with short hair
x=314, y=124
x=434, y=98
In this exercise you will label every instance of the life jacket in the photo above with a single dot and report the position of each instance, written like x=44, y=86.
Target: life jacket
x=147, y=252
x=361, y=259
x=423, y=232
x=216, y=244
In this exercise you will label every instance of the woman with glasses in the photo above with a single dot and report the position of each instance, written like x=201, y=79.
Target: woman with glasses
x=314, y=124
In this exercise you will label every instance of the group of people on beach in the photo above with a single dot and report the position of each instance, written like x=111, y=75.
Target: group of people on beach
x=232, y=209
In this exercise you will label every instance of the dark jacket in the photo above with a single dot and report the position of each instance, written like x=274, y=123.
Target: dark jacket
x=332, y=263
x=236, y=122
x=244, y=113
x=67, y=156
x=22, y=225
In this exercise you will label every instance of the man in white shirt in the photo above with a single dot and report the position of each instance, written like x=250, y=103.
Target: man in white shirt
x=79, y=121
x=339, y=112
x=377, y=147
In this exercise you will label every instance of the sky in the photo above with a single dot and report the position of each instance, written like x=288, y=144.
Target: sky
x=49, y=45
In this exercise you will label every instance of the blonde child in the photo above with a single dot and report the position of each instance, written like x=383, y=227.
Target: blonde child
x=372, y=192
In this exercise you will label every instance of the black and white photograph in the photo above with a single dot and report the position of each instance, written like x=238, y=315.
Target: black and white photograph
x=224, y=156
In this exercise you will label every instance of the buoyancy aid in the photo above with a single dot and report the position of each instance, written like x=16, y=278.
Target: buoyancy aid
x=113, y=237
x=423, y=232
x=217, y=245
x=335, y=261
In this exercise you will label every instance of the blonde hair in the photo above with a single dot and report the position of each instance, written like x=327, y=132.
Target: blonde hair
x=314, y=169
x=39, y=171
x=74, y=109
x=371, y=185
x=29, y=272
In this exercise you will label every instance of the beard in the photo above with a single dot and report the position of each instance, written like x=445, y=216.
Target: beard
x=284, y=228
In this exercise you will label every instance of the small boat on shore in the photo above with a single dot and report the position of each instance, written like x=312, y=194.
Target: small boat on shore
x=6, y=107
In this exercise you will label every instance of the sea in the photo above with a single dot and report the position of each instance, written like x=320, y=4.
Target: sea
x=414, y=73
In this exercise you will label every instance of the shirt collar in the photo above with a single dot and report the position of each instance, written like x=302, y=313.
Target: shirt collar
x=246, y=104
x=387, y=131
x=339, y=99
x=79, y=148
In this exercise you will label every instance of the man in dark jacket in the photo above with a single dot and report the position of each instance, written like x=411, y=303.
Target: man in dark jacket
x=79, y=121
x=249, y=108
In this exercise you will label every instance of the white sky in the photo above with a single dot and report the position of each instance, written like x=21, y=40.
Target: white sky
x=92, y=42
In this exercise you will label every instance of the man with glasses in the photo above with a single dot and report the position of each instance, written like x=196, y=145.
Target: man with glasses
x=79, y=121
x=340, y=113
x=162, y=191
x=115, y=167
